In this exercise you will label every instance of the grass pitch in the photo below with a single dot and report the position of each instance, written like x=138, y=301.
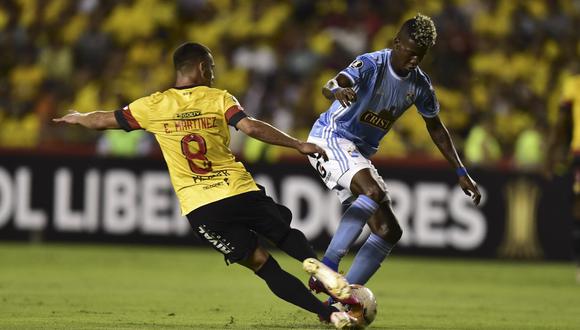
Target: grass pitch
x=128, y=287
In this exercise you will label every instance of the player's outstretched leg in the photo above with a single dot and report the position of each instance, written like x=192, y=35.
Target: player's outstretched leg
x=386, y=232
x=290, y=289
x=296, y=245
x=334, y=284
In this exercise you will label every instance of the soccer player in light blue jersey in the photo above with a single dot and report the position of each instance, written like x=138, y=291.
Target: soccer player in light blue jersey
x=369, y=96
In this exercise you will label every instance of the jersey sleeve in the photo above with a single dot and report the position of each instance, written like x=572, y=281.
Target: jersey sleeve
x=233, y=111
x=361, y=68
x=426, y=101
x=135, y=115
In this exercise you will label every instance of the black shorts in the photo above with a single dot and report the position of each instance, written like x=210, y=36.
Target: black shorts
x=230, y=225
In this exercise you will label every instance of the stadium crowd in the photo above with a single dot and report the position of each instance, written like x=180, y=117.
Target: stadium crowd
x=497, y=66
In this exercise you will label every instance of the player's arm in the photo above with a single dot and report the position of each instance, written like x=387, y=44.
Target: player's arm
x=340, y=88
x=98, y=120
x=440, y=136
x=267, y=133
x=560, y=138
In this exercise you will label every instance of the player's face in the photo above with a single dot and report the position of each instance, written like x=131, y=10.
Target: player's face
x=407, y=55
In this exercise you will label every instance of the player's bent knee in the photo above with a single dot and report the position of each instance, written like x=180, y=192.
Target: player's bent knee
x=391, y=232
x=256, y=259
x=391, y=235
x=375, y=193
x=394, y=234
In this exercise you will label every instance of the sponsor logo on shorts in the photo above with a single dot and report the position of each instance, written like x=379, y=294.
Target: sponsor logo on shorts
x=215, y=240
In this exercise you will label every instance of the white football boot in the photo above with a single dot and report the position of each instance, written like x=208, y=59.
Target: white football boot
x=336, y=285
x=342, y=320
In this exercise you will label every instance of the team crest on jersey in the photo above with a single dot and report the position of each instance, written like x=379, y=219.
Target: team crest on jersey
x=356, y=64
x=410, y=97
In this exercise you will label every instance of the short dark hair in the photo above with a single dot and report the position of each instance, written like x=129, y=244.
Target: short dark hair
x=421, y=29
x=189, y=54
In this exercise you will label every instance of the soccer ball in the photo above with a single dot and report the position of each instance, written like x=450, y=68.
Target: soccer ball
x=366, y=311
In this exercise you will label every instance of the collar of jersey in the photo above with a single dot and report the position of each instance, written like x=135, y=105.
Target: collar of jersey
x=393, y=71
x=189, y=86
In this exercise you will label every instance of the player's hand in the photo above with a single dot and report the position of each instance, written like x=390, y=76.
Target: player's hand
x=470, y=188
x=310, y=149
x=345, y=96
x=73, y=117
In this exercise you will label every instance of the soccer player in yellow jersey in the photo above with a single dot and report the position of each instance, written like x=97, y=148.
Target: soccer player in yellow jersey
x=567, y=139
x=222, y=202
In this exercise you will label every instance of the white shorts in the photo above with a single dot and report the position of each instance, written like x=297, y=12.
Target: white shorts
x=344, y=161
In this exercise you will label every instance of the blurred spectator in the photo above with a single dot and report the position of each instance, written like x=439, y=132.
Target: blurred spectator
x=501, y=59
x=93, y=47
x=120, y=144
x=481, y=147
x=530, y=148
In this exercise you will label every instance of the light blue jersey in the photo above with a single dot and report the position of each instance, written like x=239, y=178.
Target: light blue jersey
x=382, y=97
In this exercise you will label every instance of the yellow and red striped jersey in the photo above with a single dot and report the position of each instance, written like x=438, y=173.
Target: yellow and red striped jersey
x=191, y=127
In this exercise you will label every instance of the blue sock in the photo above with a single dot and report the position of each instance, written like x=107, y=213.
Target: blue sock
x=351, y=225
x=368, y=259
x=333, y=265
